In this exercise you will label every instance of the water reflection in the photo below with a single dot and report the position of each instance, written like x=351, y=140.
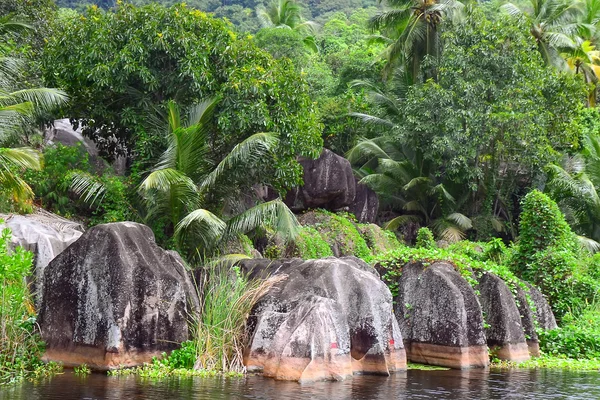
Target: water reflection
x=472, y=384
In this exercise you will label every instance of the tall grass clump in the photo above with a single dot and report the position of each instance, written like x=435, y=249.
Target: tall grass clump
x=20, y=347
x=220, y=332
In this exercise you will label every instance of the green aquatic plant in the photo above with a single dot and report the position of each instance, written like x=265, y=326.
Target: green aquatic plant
x=82, y=370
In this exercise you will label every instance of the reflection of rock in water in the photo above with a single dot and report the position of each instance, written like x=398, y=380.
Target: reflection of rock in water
x=476, y=384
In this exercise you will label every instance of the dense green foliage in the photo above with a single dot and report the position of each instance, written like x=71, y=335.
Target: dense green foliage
x=132, y=60
x=53, y=187
x=425, y=239
x=20, y=347
x=310, y=244
x=482, y=143
x=541, y=226
x=548, y=255
x=451, y=111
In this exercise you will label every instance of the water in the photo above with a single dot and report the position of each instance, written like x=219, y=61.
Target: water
x=474, y=384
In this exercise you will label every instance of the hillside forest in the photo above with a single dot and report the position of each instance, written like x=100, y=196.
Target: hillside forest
x=476, y=123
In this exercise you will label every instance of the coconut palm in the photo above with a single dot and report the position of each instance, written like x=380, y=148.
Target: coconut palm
x=406, y=183
x=584, y=60
x=287, y=14
x=573, y=190
x=553, y=25
x=413, y=27
x=183, y=184
x=19, y=108
x=284, y=14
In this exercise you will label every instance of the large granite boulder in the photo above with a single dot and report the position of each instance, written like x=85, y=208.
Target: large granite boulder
x=328, y=319
x=45, y=234
x=440, y=317
x=365, y=204
x=114, y=298
x=63, y=132
x=329, y=183
x=543, y=312
x=505, y=333
x=535, y=312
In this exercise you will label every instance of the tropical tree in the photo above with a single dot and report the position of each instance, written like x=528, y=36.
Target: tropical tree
x=412, y=28
x=553, y=23
x=19, y=108
x=287, y=14
x=584, y=60
x=131, y=60
x=188, y=186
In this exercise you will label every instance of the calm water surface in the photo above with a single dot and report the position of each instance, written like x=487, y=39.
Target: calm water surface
x=476, y=384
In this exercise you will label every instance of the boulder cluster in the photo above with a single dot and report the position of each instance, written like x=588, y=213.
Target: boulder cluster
x=448, y=322
x=113, y=298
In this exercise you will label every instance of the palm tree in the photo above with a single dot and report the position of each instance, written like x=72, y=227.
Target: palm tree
x=284, y=14
x=553, y=24
x=584, y=60
x=183, y=184
x=573, y=185
x=588, y=29
x=19, y=108
x=413, y=27
x=570, y=186
x=406, y=183
x=287, y=14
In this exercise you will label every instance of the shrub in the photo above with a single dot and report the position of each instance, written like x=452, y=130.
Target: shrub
x=548, y=255
x=51, y=184
x=578, y=338
x=20, y=347
x=541, y=226
x=425, y=239
x=52, y=187
x=340, y=232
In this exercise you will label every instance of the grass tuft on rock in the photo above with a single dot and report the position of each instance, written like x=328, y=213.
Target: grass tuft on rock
x=220, y=333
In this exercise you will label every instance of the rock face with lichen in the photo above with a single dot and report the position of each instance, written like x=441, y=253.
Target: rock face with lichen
x=114, y=298
x=535, y=312
x=505, y=334
x=330, y=318
x=328, y=183
x=365, y=204
x=440, y=317
x=448, y=322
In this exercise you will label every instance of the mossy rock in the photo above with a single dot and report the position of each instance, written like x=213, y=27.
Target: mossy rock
x=242, y=245
x=339, y=231
x=377, y=239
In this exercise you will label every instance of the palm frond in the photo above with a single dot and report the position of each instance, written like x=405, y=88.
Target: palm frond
x=588, y=244
x=272, y=213
x=87, y=187
x=401, y=220
x=200, y=226
x=22, y=157
x=256, y=147
x=461, y=220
